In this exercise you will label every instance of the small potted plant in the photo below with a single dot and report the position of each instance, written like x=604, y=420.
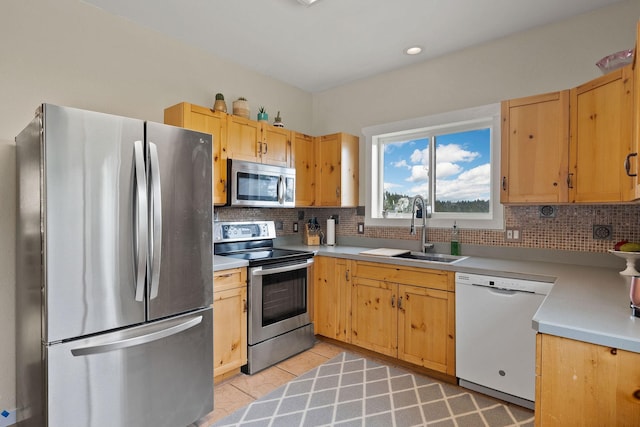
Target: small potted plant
x=262, y=115
x=277, y=122
x=241, y=107
x=219, y=104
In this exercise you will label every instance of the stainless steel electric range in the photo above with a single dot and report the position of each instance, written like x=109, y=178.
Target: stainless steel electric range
x=279, y=325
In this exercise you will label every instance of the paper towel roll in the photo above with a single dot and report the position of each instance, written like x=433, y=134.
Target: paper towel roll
x=331, y=232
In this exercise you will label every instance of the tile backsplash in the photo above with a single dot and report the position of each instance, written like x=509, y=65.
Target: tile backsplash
x=570, y=229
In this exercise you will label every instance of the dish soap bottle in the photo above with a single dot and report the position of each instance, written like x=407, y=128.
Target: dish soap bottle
x=455, y=244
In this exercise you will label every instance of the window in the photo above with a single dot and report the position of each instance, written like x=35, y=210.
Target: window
x=451, y=160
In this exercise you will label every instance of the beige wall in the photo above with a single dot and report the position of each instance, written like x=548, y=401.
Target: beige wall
x=70, y=53
x=546, y=59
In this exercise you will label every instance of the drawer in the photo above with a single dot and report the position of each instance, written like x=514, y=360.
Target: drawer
x=423, y=277
x=229, y=279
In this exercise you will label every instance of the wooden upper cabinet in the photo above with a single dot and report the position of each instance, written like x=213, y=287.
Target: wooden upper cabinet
x=258, y=142
x=337, y=170
x=305, y=165
x=601, y=132
x=203, y=119
x=243, y=139
x=632, y=162
x=276, y=145
x=535, y=149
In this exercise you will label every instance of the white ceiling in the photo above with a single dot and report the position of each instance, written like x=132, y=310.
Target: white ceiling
x=334, y=42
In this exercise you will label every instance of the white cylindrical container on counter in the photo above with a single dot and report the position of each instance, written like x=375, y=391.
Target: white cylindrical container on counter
x=331, y=232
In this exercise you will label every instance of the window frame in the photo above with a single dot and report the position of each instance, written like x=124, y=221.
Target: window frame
x=443, y=123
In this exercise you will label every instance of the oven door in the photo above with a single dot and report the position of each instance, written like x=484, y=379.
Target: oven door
x=277, y=299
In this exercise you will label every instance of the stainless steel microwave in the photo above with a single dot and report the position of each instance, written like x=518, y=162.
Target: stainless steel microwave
x=259, y=185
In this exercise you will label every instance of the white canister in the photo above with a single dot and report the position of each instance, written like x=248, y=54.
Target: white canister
x=331, y=232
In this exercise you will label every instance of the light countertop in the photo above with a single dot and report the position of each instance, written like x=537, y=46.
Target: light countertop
x=586, y=303
x=226, y=263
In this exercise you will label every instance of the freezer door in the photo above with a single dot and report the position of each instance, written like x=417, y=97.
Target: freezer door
x=91, y=215
x=180, y=274
x=159, y=374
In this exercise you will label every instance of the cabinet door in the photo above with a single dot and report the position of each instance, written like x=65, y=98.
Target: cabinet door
x=230, y=321
x=535, y=149
x=337, y=170
x=585, y=384
x=229, y=330
x=203, y=119
x=276, y=146
x=304, y=162
x=374, y=319
x=244, y=139
x=633, y=160
x=332, y=294
x=601, y=127
x=426, y=328
x=328, y=180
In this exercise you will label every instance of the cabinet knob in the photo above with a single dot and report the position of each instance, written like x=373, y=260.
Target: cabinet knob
x=636, y=394
x=266, y=147
x=504, y=183
x=393, y=301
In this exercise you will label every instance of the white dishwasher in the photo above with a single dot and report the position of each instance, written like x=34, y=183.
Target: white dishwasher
x=495, y=339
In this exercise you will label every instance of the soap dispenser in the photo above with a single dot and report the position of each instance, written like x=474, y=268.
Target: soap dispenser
x=455, y=243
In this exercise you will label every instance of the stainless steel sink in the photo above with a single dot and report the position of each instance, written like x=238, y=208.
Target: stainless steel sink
x=421, y=256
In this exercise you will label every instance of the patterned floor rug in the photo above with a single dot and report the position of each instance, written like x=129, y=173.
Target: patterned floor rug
x=349, y=390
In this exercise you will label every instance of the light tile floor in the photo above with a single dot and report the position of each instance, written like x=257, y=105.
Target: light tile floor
x=240, y=390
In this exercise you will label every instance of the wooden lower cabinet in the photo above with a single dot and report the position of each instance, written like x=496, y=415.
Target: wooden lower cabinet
x=583, y=384
x=426, y=328
x=402, y=312
x=332, y=296
x=229, y=322
x=374, y=320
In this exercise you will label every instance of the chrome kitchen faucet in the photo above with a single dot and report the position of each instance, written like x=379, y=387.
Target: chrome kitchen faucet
x=425, y=213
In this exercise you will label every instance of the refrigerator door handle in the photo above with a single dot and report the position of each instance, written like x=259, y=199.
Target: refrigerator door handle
x=140, y=224
x=139, y=340
x=155, y=216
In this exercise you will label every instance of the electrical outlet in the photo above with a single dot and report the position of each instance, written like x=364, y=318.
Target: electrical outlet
x=361, y=228
x=295, y=227
x=300, y=214
x=513, y=235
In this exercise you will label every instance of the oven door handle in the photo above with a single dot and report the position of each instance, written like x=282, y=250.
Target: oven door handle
x=260, y=271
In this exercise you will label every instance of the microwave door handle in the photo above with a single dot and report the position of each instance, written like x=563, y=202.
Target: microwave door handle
x=140, y=225
x=282, y=188
x=259, y=271
x=155, y=217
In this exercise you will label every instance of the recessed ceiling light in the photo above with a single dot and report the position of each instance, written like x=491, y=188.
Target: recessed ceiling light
x=307, y=2
x=414, y=50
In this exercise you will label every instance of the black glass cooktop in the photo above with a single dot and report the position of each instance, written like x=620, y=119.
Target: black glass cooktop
x=269, y=255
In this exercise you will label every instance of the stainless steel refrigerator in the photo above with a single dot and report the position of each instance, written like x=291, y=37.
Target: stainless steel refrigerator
x=114, y=272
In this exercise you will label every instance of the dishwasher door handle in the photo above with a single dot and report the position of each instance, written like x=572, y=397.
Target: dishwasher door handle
x=504, y=291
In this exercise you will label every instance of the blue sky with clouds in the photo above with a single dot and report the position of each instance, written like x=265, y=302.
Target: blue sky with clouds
x=463, y=169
